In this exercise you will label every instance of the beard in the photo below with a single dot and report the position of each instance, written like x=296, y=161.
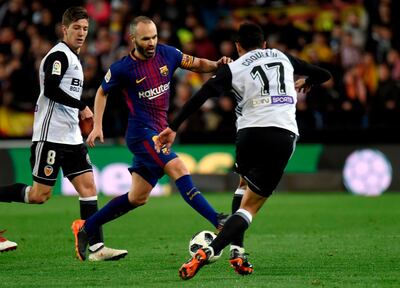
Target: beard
x=142, y=51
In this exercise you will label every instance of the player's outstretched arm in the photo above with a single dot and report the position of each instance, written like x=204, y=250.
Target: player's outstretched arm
x=204, y=65
x=214, y=86
x=99, y=107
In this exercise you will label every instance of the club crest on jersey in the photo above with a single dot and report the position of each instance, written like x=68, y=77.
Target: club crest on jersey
x=108, y=76
x=164, y=148
x=48, y=170
x=56, y=68
x=164, y=70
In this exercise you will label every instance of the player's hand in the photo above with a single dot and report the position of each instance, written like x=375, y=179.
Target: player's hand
x=224, y=60
x=96, y=133
x=301, y=86
x=164, y=140
x=86, y=113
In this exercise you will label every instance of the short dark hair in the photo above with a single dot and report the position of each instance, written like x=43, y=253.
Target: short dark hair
x=74, y=14
x=250, y=36
x=136, y=21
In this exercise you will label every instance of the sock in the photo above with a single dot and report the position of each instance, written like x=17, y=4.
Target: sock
x=115, y=208
x=236, y=224
x=13, y=193
x=88, y=207
x=194, y=198
x=237, y=199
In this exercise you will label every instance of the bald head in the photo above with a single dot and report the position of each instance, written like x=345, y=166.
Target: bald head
x=140, y=19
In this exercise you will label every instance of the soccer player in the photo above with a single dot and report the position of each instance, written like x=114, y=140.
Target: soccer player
x=57, y=139
x=144, y=77
x=5, y=244
x=263, y=82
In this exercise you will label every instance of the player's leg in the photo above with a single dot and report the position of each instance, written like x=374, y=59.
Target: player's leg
x=236, y=201
x=14, y=193
x=143, y=181
x=120, y=205
x=236, y=224
x=178, y=172
x=84, y=184
x=262, y=155
x=45, y=164
x=78, y=169
x=167, y=162
x=36, y=194
x=237, y=251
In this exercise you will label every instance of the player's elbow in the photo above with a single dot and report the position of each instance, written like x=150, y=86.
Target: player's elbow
x=326, y=76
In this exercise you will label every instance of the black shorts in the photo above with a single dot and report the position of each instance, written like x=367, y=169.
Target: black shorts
x=262, y=154
x=47, y=158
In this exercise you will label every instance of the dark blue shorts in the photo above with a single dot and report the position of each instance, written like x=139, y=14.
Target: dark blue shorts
x=146, y=161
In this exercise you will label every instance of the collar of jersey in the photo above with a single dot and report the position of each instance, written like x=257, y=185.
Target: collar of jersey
x=70, y=48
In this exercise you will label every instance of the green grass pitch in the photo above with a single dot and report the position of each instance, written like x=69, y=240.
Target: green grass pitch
x=297, y=240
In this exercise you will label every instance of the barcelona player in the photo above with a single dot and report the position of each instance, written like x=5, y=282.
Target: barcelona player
x=144, y=77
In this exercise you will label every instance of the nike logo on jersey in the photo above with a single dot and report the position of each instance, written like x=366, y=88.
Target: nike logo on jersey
x=140, y=80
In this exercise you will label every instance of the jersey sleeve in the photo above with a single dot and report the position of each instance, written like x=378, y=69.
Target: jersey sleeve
x=316, y=75
x=178, y=58
x=54, y=68
x=214, y=87
x=113, y=79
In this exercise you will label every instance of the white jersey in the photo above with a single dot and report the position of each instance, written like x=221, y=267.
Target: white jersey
x=54, y=122
x=263, y=83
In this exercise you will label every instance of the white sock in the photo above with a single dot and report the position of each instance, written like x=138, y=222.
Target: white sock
x=240, y=191
x=90, y=198
x=26, y=197
x=240, y=249
x=95, y=247
x=245, y=214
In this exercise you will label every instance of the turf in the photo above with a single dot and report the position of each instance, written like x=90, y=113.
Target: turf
x=297, y=240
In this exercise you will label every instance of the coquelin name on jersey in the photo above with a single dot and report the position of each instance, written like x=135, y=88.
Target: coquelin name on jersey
x=255, y=56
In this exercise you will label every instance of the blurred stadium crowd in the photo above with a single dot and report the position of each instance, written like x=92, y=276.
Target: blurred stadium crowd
x=356, y=40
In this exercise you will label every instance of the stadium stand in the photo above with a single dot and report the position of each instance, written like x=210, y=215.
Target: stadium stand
x=355, y=40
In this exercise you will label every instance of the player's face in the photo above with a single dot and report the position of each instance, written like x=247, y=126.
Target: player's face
x=75, y=34
x=146, y=39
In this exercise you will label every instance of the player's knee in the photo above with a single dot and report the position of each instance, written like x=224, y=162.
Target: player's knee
x=176, y=169
x=39, y=197
x=87, y=192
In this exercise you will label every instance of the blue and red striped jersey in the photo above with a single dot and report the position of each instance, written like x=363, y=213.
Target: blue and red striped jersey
x=146, y=86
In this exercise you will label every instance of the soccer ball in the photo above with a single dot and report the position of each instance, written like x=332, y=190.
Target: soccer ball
x=201, y=240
